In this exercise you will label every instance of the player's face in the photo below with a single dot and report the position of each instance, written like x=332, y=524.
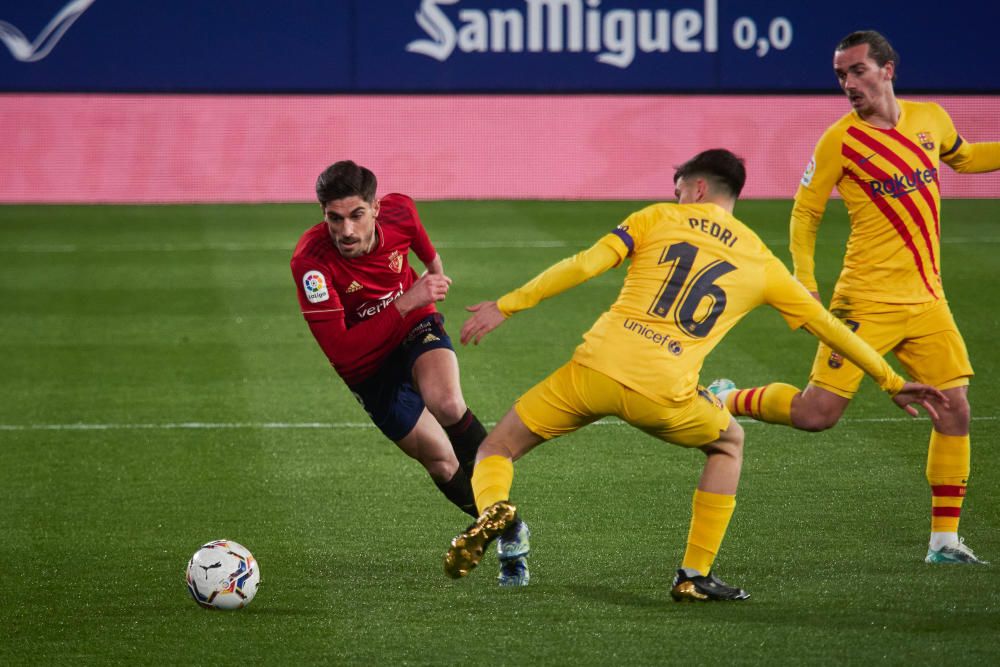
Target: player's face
x=860, y=77
x=351, y=223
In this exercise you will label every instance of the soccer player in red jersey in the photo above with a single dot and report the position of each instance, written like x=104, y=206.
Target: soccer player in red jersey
x=376, y=322
x=884, y=158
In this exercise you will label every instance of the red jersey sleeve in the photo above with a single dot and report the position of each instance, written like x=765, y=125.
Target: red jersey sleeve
x=421, y=243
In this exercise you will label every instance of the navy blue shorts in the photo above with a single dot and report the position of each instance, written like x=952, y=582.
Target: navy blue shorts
x=388, y=396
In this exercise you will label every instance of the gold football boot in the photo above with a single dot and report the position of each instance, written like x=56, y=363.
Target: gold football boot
x=467, y=549
x=704, y=588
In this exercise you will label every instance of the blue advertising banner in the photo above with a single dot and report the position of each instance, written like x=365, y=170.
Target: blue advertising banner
x=456, y=46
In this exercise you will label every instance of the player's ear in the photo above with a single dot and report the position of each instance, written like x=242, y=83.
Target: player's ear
x=702, y=187
x=889, y=69
x=375, y=206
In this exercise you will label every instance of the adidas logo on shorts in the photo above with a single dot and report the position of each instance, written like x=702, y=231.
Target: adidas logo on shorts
x=429, y=338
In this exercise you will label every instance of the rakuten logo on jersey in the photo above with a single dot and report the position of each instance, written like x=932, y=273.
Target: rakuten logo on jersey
x=369, y=308
x=576, y=26
x=902, y=184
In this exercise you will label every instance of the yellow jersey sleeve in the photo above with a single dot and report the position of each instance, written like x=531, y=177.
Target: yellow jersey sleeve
x=788, y=296
x=818, y=181
x=607, y=253
x=964, y=157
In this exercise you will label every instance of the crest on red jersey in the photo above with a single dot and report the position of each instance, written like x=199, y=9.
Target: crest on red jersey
x=926, y=140
x=395, y=261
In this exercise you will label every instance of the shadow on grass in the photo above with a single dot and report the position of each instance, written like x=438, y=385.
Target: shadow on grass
x=618, y=597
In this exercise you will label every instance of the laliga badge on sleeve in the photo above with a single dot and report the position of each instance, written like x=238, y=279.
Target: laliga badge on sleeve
x=315, y=287
x=807, y=177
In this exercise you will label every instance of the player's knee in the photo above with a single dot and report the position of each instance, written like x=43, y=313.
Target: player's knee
x=729, y=444
x=814, y=422
x=956, y=417
x=447, y=408
x=817, y=410
x=815, y=419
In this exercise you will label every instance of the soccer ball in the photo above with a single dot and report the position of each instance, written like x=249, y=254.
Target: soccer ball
x=223, y=575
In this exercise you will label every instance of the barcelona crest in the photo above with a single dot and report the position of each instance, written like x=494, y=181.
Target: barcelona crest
x=926, y=140
x=395, y=261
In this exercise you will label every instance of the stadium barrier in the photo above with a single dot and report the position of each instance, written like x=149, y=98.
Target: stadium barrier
x=69, y=148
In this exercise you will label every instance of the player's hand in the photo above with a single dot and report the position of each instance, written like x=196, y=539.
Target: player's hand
x=913, y=394
x=486, y=317
x=429, y=288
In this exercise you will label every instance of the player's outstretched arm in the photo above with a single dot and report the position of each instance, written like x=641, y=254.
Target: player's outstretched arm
x=486, y=317
x=913, y=394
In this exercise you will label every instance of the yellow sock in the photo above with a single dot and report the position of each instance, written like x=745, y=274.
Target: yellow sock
x=771, y=403
x=710, y=514
x=491, y=481
x=948, y=473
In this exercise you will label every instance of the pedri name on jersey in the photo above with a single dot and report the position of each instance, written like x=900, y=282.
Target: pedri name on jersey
x=901, y=184
x=714, y=230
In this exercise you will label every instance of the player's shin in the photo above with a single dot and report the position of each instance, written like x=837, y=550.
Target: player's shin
x=459, y=491
x=710, y=514
x=491, y=480
x=948, y=462
x=466, y=435
x=771, y=403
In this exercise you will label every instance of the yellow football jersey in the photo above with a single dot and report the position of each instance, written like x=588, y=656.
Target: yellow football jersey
x=889, y=180
x=695, y=271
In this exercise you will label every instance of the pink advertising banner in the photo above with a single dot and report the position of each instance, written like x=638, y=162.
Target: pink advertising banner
x=61, y=148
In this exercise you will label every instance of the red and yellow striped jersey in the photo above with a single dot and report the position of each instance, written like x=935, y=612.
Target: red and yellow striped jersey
x=889, y=180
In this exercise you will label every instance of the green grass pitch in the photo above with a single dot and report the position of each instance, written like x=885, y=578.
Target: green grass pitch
x=160, y=389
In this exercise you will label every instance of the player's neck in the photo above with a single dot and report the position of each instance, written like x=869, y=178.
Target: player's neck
x=884, y=113
x=727, y=204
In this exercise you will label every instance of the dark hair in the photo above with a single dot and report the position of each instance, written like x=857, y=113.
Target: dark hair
x=345, y=179
x=879, y=48
x=718, y=165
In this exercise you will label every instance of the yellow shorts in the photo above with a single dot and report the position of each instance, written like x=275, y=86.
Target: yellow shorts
x=923, y=336
x=574, y=396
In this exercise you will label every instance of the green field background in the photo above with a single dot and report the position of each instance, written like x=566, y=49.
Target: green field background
x=160, y=389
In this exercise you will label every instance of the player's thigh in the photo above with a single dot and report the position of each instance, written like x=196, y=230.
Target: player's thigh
x=390, y=400
x=432, y=363
x=880, y=326
x=435, y=377
x=700, y=421
x=934, y=351
x=561, y=403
